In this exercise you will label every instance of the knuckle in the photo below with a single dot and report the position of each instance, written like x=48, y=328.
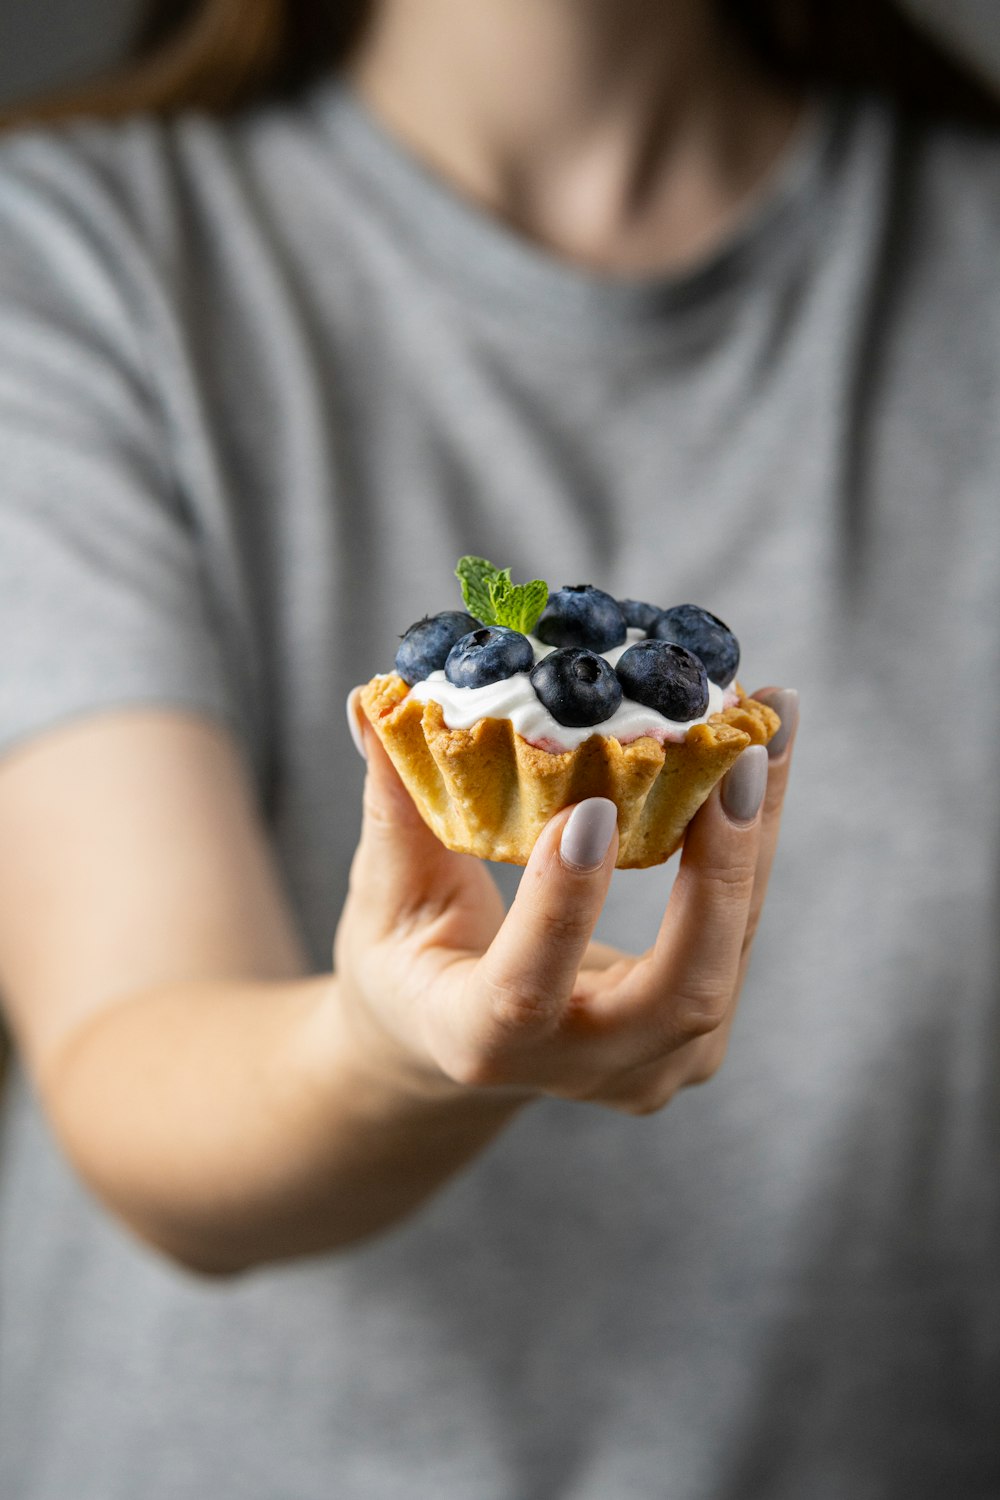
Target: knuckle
x=561, y=928
x=700, y=1024
x=641, y=1091
x=729, y=884
x=378, y=813
x=517, y=1007
x=707, y=1065
x=694, y=1024
x=371, y=804
x=698, y=1013
x=649, y=1101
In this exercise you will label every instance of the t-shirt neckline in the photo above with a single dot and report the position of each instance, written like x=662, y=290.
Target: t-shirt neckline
x=497, y=268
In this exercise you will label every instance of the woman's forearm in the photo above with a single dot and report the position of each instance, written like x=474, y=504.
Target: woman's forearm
x=230, y=1124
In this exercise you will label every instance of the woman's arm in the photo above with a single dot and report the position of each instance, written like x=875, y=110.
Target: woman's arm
x=199, y=1080
x=232, y=1109
x=234, y=1122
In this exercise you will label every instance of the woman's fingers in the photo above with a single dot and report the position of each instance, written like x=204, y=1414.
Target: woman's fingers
x=684, y=987
x=699, y=1059
x=542, y=1008
x=528, y=974
x=399, y=865
x=785, y=702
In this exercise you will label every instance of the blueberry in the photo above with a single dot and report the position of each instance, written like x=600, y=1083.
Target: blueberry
x=639, y=616
x=688, y=625
x=426, y=644
x=577, y=687
x=666, y=677
x=489, y=654
x=580, y=615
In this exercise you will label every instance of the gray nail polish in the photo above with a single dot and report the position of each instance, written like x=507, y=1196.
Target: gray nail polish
x=785, y=702
x=355, y=728
x=588, y=834
x=744, y=787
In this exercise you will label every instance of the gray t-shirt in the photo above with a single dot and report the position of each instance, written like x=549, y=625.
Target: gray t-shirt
x=261, y=383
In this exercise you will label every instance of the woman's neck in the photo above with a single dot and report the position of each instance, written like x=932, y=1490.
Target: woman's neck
x=626, y=135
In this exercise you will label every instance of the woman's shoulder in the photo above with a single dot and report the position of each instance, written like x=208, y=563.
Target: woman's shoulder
x=959, y=169
x=87, y=156
x=144, y=173
x=928, y=192
x=948, y=176
x=142, y=217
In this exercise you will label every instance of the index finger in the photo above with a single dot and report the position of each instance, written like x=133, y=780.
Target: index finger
x=529, y=971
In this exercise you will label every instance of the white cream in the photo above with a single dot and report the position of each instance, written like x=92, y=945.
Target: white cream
x=514, y=698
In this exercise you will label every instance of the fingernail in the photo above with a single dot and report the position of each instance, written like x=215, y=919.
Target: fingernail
x=785, y=702
x=744, y=787
x=353, y=725
x=587, y=836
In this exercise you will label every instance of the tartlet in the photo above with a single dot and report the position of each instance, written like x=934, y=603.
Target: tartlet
x=488, y=790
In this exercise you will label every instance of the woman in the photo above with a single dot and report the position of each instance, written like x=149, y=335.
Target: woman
x=619, y=292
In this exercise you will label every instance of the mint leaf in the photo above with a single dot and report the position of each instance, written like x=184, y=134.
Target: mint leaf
x=494, y=599
x=518, y=605
x=475, y=575
x=500, y=591
x=532, y=600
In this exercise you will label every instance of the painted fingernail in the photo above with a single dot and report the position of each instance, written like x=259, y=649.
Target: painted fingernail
x=353, y=725
x=744, y=787
x=785, y=702
x=587, y=836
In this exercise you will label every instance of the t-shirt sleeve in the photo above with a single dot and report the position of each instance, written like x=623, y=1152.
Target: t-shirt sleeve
x=105, y=601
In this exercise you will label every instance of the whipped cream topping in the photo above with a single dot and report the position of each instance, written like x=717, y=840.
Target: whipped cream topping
x=514, y=698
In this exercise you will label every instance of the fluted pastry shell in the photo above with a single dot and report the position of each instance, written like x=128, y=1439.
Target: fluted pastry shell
x=488, y=792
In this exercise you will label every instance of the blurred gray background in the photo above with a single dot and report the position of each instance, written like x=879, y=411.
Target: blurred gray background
x=47, y=42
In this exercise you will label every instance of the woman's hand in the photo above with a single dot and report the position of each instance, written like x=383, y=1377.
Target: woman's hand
x=459, y=995
x=233, y=1109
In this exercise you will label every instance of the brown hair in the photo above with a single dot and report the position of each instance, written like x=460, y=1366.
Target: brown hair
x=220, y=55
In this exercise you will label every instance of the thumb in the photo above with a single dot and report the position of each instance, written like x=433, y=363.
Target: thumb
x=531, y=966
x=397, y=853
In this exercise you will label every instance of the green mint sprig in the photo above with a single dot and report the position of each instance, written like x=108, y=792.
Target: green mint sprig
x=493, y=598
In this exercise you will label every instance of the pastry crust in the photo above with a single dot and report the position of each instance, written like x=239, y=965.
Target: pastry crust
x=486, y=791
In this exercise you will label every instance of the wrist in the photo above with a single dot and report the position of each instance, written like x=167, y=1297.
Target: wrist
x=348, y=1051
